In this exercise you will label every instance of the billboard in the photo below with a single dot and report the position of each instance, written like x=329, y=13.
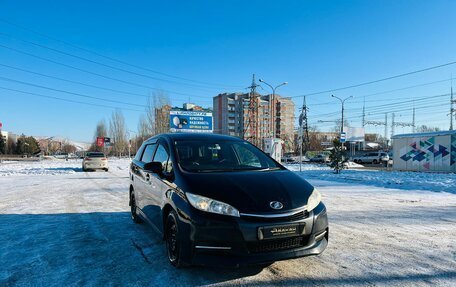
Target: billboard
x=190, y=121
x=100, y=141
x=354, y=134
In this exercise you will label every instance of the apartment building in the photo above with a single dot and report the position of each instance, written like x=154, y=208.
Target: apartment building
x=231, y=116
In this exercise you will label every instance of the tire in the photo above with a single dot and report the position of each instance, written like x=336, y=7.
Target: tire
x=84, y=169
x=133, y=209
x=173, y=245
x=106, y=169
x=374, y=161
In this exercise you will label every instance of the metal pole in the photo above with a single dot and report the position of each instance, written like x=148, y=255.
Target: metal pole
x=342, y=123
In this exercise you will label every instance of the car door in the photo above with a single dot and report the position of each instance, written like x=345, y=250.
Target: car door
x=142, y=177
x=158, y=185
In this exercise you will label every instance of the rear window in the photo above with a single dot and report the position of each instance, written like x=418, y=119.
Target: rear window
x=96, y=154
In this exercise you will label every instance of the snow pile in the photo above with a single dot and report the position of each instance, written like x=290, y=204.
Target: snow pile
x=307, y=166
x=351, y=164
x=53, y=167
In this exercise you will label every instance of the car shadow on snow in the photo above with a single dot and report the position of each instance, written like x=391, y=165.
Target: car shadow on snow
x=76, y=169
x=102, y=248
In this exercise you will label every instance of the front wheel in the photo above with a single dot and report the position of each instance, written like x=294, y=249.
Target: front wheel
x=172, y=239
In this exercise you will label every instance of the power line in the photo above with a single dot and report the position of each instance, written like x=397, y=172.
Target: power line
x=114, y=59
x=101, y=64
x=389, y=91
x=68, y=92
x=68, y=100
x=379, y=80
x=387, y=107
x=74, y=82
x=93, y=73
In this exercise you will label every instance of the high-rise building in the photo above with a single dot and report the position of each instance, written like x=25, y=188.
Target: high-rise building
x=231, y=116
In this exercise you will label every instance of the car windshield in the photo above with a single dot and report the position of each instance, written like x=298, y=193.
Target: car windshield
x=222, y=156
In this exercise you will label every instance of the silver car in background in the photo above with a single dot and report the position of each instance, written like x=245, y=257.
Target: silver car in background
x=95, y=160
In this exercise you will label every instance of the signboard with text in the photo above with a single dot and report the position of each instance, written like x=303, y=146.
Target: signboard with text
x=342, y=137
x=100, y=141
x=190, y=121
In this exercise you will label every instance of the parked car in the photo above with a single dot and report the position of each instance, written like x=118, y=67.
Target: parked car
x=95, y=160
x=372, y=157
x=323, y=158
x=219, y=200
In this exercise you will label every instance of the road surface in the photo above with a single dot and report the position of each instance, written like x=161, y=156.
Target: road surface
x=65, y=227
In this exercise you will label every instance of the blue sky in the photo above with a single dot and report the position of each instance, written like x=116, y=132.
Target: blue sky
x=314, y=45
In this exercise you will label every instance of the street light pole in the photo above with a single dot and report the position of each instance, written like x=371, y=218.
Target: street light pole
x=342, y=101
x=272, y=104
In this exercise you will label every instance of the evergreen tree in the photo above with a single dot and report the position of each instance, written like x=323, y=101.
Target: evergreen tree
x=27, y=145
x=338, y=156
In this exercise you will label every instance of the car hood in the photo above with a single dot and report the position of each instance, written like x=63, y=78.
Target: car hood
x=251, y=191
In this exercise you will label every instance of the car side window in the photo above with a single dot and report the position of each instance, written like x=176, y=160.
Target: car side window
x=246, y=157
x=148, y=153
x=162, y=156
x=139, y=153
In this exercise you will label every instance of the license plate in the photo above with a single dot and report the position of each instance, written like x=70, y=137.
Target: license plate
x=280, y=231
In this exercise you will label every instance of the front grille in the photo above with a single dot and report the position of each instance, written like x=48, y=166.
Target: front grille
x=295, y=217
x=276, y=244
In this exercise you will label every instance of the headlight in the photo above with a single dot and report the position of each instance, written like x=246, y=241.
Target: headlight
x=314, y=200
x=211, y=205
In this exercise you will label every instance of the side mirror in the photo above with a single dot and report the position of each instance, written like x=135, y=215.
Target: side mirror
x=153, y=167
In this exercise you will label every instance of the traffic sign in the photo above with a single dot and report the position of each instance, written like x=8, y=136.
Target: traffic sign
x=343, y=136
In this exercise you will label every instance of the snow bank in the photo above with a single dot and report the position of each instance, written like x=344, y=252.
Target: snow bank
x=53, y=167
x=436, y=182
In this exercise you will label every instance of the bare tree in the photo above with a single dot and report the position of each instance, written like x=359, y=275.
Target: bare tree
x=157, y=113
x=426, y=129
x=118, y=133
x=68, y=147
x=100, y=131
x=144, y=128
x=337, y=127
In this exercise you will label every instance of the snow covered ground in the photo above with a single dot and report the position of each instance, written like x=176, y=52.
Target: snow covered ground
x=391, y=179
x=60, y=226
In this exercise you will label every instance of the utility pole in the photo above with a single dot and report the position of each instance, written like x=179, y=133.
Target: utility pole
x=303, y=131
x=273, y=106
x=252, y=125
x=452, y=110
x=364, y=113
x=379, y=123
x=342, y=101
x=399, y=124
x=413, y=121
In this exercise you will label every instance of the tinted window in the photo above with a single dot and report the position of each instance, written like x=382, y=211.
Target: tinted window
x=162, y=156
x=221, y=156
x=148, y=153
x=139, y=153
x=246, y=157
x=96, y=154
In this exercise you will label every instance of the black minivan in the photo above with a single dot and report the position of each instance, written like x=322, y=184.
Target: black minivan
x=219, y=200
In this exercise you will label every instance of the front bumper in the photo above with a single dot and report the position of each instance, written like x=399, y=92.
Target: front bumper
x=229, y=241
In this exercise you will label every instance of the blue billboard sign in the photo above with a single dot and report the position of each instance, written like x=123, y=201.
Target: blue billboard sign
x=190, y=121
